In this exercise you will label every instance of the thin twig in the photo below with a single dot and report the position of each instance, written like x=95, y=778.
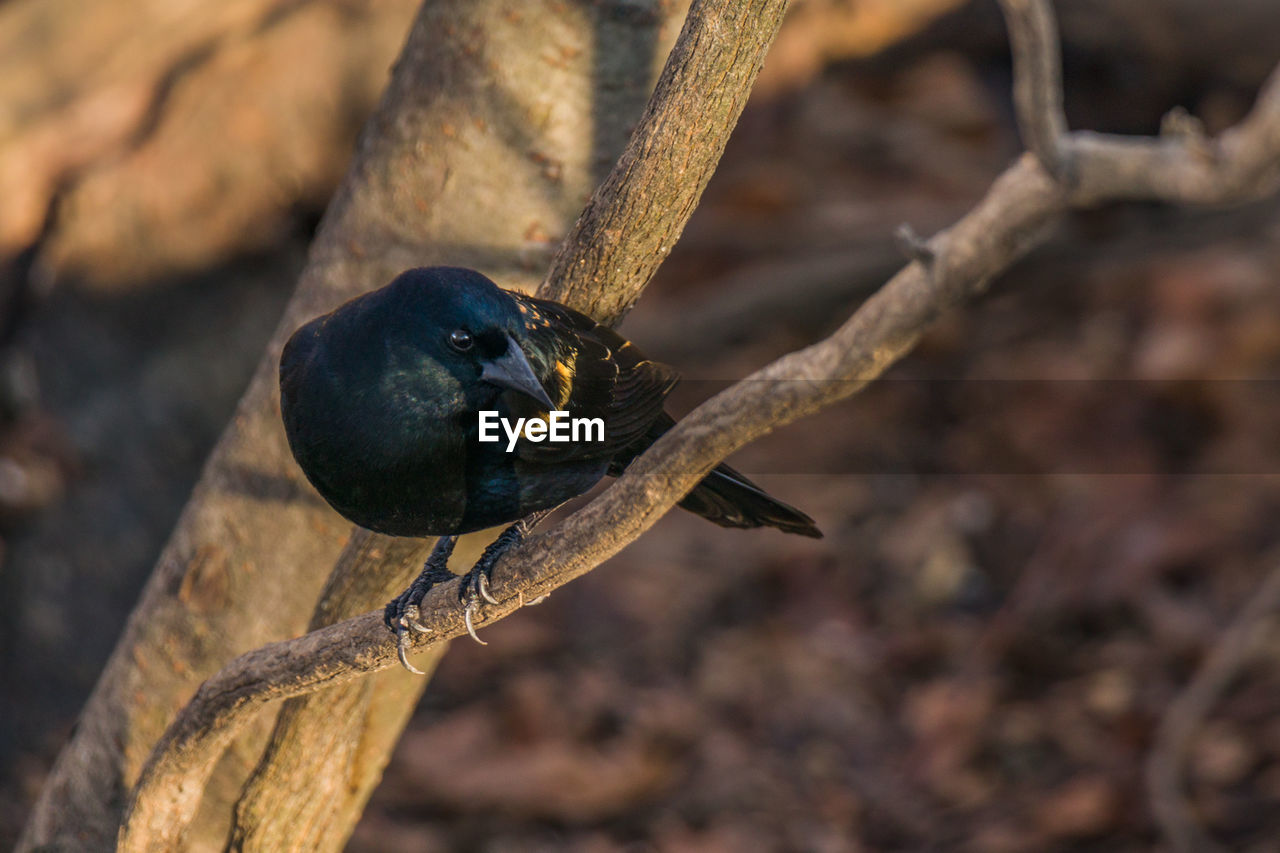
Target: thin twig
x=1037, y=80
x=1243, y=165
x=1188, y=711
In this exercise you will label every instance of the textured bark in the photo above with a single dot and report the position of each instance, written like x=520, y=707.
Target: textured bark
x=328, y=749
x=325, y=754
x=486, y=141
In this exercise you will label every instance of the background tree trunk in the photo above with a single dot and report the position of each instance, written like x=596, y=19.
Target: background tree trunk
x=109, y=113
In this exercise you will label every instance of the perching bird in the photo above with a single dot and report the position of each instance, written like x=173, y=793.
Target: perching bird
x=382, y=398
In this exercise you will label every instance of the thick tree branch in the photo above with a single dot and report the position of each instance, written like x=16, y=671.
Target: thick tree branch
x=323, y=743
x=1011, y=219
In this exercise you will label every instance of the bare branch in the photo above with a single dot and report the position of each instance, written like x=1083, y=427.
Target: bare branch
x=1037, y=80
x=1181, y=166
x=1012, y=218
x=1188, y=711
x=1241, y=165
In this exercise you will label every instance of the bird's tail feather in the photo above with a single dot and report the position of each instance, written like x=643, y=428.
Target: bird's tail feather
x=724, y=496
x=729, y=499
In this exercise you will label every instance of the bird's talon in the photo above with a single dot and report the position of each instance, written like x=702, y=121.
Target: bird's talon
x=538, y=600
x=471, y=628
x=402, y=651
x=482, y=588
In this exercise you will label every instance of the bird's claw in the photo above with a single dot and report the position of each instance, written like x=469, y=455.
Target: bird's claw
x=475, y=586
x=402, y=614
x=473, y=590
x=533, y=603
x=472, y=606
x=481, y=587
x=402, y=650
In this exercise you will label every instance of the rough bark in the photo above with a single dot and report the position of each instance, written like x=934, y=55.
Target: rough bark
x=485, y=142
x=945, y=270
x=328, y=749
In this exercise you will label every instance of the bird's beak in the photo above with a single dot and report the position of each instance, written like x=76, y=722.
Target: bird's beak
x=513, y=371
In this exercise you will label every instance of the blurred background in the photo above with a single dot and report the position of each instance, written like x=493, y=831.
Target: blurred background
x=1036, y=526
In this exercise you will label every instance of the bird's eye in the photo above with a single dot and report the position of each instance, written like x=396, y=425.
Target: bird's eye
x=460, y=339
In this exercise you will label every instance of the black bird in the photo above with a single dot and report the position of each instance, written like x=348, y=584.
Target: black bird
x=381, y=400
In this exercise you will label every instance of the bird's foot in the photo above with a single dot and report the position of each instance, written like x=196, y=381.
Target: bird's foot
x=402, y=612
x=475, y=585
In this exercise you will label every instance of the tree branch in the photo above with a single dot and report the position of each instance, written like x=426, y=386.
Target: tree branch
x=1243, y=164
x=1037, y=80
x=1178, y=167
x=338, y=760
x=325, y=742
x=1012, y=218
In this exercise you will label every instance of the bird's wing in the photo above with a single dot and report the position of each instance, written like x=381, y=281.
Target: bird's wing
x=590, y=371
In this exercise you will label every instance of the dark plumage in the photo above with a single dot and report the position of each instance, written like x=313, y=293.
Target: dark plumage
x=381, y=397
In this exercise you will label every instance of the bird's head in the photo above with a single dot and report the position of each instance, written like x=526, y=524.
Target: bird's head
x=465, y=323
